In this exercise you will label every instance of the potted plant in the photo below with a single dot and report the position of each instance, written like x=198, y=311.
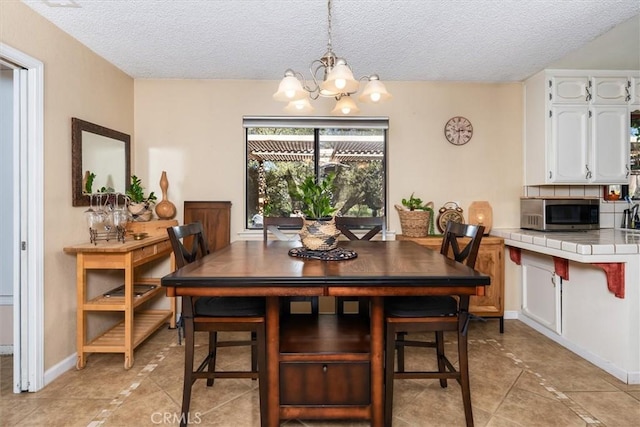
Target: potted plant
x=140, y=206
x=416, y=217
x=319, y=232
x=412, y=203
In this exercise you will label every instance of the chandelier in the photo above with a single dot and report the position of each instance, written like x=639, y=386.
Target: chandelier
x=331, y=77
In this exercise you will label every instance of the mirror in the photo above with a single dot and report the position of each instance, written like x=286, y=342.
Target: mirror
x=100, y=151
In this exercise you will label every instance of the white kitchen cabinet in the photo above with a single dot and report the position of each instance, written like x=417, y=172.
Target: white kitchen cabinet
x=610, y=90
x=541, y=291
x=569, y=153
x=576, y=127
x=635, y=90
x=569, y=90
x=610, y=144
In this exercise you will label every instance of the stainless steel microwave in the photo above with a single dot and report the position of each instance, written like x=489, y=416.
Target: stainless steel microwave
x=555, y=214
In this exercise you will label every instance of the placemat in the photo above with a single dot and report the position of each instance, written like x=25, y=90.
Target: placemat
x=337, y=254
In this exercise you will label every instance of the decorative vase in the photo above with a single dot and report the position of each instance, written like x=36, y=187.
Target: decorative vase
x=319, y=234
x=165, y=209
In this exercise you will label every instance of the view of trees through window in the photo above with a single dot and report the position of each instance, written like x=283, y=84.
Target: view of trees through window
x=280, y=158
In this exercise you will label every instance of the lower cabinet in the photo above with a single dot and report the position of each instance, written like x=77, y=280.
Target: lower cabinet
x=325, y=369
x=490, y=261
x=541, y=291
x=326, y=383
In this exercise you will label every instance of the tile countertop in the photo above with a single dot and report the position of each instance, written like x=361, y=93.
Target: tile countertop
x=582, y=246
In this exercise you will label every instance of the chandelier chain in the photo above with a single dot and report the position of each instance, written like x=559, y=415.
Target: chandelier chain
x=329, y=47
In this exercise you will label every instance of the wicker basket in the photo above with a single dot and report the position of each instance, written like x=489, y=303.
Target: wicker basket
x=319, y=235
x=414, y=223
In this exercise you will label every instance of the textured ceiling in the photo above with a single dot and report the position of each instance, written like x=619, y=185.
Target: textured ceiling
x=405, y=40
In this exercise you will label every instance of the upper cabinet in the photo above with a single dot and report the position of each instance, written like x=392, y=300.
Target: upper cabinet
x=577, y=126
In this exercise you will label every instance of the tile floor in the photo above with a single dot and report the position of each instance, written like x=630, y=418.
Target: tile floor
x=520, y=378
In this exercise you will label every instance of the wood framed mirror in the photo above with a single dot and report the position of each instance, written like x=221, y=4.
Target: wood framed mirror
x=101, y=151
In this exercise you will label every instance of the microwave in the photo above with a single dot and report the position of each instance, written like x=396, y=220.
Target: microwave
x=555, y=214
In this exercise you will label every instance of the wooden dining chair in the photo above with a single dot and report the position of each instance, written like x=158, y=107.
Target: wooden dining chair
x=366, y=228
x=213, y=315
x=433, y=314
x=276, y=228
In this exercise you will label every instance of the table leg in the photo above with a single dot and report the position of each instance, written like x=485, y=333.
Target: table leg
x=81, y=317
x=273, y=361
x=377, y=361
x=128, y=311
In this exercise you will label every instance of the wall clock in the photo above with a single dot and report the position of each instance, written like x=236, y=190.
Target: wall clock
x=458, y=130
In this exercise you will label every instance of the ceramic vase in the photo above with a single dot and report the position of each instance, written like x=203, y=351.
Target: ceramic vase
x=165, y=209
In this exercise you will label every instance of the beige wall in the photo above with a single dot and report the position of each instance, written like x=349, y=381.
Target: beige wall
x=193, y=130
x=77, y=83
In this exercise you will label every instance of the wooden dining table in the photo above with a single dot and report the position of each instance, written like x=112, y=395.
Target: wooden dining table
x=328, y=367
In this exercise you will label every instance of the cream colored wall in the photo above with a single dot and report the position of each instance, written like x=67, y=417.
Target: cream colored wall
x=193, y=130
x=77, y=83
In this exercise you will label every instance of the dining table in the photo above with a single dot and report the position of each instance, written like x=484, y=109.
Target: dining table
x=330, y=366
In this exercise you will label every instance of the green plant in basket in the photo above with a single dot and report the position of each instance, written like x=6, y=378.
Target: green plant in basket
x=412, y=203
x=416, y=204
x=135, y=192
x=316, y=197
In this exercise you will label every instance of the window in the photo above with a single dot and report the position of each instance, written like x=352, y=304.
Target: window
x=282, y=152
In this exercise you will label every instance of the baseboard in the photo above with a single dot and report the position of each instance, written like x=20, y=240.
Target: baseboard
x=60, y=368
x=605, y=365
x=511, y=315
x=6, y=349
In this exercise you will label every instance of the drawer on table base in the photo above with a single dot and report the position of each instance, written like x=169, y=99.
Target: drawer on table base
x=325, y=383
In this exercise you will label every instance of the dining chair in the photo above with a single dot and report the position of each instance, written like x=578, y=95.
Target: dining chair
x=213, y=315
x=437, y=314
x=349, y=226
x=276, y=228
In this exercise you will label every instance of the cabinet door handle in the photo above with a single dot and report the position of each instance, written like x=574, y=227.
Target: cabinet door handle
x=588, y=175
x=627, y=167
x=588, y=88
x=627, y=89
x=325, y=368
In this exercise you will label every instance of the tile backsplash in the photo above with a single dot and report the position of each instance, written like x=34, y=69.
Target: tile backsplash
x=611, y=212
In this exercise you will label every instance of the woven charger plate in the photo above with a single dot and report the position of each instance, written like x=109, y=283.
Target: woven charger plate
x=337, y=254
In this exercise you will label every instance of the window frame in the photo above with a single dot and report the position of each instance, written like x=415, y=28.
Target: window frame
x=315, y=123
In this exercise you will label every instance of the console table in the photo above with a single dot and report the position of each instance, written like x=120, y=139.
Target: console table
x=137, y=323
x=490, y=262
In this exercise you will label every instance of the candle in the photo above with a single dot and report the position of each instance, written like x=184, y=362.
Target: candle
x=480, y=218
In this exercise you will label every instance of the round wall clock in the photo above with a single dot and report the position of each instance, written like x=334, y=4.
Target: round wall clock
x=458, y=130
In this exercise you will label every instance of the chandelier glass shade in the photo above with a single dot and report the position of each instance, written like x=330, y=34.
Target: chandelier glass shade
x=331, y=77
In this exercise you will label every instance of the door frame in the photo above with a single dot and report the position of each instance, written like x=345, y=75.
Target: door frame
x=28, y=298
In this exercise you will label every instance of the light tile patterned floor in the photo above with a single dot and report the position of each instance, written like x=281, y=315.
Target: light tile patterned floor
x=519, y=378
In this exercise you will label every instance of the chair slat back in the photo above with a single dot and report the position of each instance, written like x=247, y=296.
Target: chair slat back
x=274, y=225
x=188, y=243
x=451, y=243
x=374, y=225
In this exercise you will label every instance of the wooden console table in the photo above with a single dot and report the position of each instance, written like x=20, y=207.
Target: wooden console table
x=490, y=262
x=137, y=324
